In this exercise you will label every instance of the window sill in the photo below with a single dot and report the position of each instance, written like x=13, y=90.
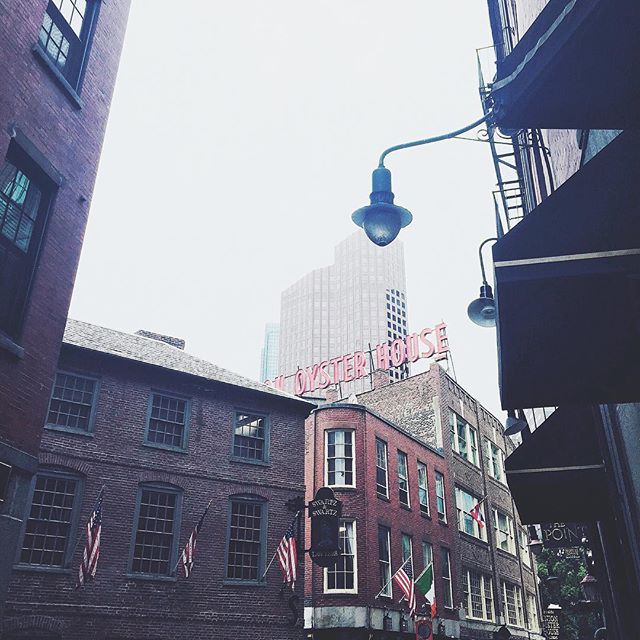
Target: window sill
x=425, y=515
x=474, y=539
x=507, y=554
x=405, y=507
x=444, y=523
x=343, y=593
x=468, y=463
x=143, y=577
x=383, y=497
x=69, y=91
x=499, y=483
x=164, y=447
x=35, y=568
x=77, y=432
x=7, y=344
x=244, y=583
x=257, y=463
x=341, y=487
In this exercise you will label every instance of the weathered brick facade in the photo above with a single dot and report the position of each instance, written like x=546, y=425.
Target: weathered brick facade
x=62, y=137
x=119, y=603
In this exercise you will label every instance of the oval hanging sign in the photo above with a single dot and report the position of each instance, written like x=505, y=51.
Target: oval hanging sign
x=325, y=511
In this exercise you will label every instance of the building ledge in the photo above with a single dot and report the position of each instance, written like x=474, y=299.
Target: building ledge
x=8, y=345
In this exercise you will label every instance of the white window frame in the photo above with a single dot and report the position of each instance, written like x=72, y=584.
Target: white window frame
x=385, y=468
x=532, y=611
x=441, y=516
x=499, y=475
x=517, y=600
x=510, y=539
x=462, y=511
x=446, y=580
x=471, y=454
x=427, y=561
x=326, y=458
x=401, y=455
x=352, y=522
x=387, y=589
x=523, y=542
x=425, y=509
x=486, y=585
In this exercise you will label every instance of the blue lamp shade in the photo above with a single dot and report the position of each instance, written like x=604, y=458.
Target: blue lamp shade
x=382, y=220
x=482, y=311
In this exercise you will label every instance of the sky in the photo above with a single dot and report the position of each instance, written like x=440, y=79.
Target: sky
x=242, y=136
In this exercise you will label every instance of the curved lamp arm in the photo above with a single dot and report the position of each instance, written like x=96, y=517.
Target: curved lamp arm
x=444, y=136
x=484, y=275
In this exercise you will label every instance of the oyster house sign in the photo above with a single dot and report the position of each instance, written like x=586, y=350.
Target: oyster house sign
x=353, y=366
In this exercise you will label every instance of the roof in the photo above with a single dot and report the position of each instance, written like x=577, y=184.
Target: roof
x=159, y=354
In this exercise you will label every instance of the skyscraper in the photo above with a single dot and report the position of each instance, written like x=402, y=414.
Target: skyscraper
x=270, y=351
x=355, y=303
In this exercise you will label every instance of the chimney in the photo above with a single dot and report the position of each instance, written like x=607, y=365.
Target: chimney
x=170, y=340
x=380, y=378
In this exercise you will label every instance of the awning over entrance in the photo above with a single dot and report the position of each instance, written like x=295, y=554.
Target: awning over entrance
x=557, y=474
x=576, y=67
x=568, y=289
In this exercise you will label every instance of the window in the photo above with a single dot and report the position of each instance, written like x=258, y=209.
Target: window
x=407, y=549
x=167, y=425
x=495, y=457
x=343, y=576
x=478, y=595
x=71, y=404
x=512, y=604
x=427, y=554
x=446, y=578
x=245, y=549
x=23, y=210
x=50, y=525
x=65, y=34
x=384, y=560
x=339, y=458
x=403, y=479
x=465, y=502
x=532, y=610
x=382, y=475
x=156, y=527
x=504, y=531
x=250, y=437
x=464, y=439
x=523, y=541
x=423, y=489
x=440, y=501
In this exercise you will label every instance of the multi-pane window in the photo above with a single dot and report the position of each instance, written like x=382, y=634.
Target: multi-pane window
x=523, y=541
x=403, y=479
x=71, y=402
x=532, y=610
x=339, y=458
x=343, y=575
x=384, y=560
x=440, y=501
x=167, y=421
x=427, y=554
x=445, y=562
x=495, y=458
x=464, y=439
x=512, y=604
x=478, y=595
x=156, y=528
x=423, y=489
x=504, y=531
x=64, y=35
x=465, y=502
x=49, y=525
x=250, y=437
x=22, y=213
x=407, y=550
x=246, y=540
x=382, y=468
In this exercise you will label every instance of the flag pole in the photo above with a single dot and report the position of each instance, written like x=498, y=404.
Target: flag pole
x=392, y=577
x=182, y=548
x=275, y=553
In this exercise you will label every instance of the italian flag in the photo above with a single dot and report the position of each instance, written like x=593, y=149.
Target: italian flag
x=424, y=582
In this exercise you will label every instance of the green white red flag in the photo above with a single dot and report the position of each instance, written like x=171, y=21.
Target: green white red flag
x=426, y=585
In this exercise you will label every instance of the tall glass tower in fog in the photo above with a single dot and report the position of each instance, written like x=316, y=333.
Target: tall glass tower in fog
x=270, y=351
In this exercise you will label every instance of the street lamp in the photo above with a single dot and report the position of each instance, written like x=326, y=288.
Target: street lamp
x=482, y=311
x=513, y=424
x=382, y=220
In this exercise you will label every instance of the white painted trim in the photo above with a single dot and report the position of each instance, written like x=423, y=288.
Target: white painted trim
x=568, y=258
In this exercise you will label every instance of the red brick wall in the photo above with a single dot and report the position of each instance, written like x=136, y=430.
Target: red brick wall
x=119, y=606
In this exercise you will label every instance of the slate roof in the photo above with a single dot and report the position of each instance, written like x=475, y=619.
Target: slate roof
x=159, y=354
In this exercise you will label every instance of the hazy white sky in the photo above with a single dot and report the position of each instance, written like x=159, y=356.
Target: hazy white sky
x=243, y=134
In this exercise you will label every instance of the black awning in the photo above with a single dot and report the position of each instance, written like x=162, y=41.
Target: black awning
x=576, y=67
x=568, y=289
x=557, y=474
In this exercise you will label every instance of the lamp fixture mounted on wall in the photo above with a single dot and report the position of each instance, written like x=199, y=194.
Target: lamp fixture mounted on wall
x=482, y=311
x=514, y=425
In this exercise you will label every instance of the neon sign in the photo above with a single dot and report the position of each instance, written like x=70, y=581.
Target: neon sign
x=353, y=366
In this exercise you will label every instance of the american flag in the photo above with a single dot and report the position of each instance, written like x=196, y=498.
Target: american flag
x=89, y=564
x=189, y=551
x=403, y=577
x=288, y=555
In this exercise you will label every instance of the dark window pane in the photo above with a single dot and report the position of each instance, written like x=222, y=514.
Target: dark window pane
x=71, y=401
x=244, y=549
x=167, y=421
x=249, y=437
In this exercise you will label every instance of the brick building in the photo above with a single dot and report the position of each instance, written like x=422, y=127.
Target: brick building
x=494, y=580
x=397, y=496
x=59, y=63
x=164, y=433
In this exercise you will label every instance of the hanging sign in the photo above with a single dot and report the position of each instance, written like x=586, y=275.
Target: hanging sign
x=556, y=535
x=551, y=624
x=325, y=511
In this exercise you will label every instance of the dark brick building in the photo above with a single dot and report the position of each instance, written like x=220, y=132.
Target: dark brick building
x=164, y=433
x=397, y=502
x=494, y=579
x=59, y=63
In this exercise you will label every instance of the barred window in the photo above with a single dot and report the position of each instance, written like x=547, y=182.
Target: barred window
x=382, y=477
x=512, y=603
x=48, y=527
x=478, y=595
x=156, y=527
x=403, y=479
x=71, y=402
x=167, y=421
x=384, y=560
x=423, y=489
x=440, y=501
x=245, y=546
x=250, y=437
x=339, y=458
x=343, y=575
